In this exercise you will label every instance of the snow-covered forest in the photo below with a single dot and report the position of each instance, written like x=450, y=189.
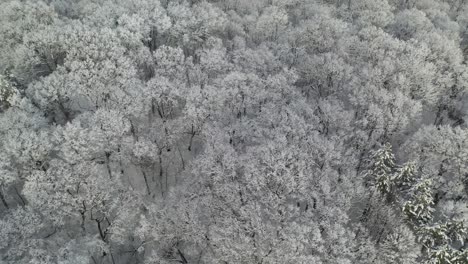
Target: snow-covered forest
x=233, y=131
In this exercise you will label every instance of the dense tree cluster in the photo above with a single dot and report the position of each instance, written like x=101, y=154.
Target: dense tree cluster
x=233, y=131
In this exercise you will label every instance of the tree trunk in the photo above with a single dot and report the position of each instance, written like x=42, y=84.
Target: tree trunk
x=19, y=195
x=146, y=181
x=2, y=197
x=161, y=173
x=108, y=164
x=192, y=135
